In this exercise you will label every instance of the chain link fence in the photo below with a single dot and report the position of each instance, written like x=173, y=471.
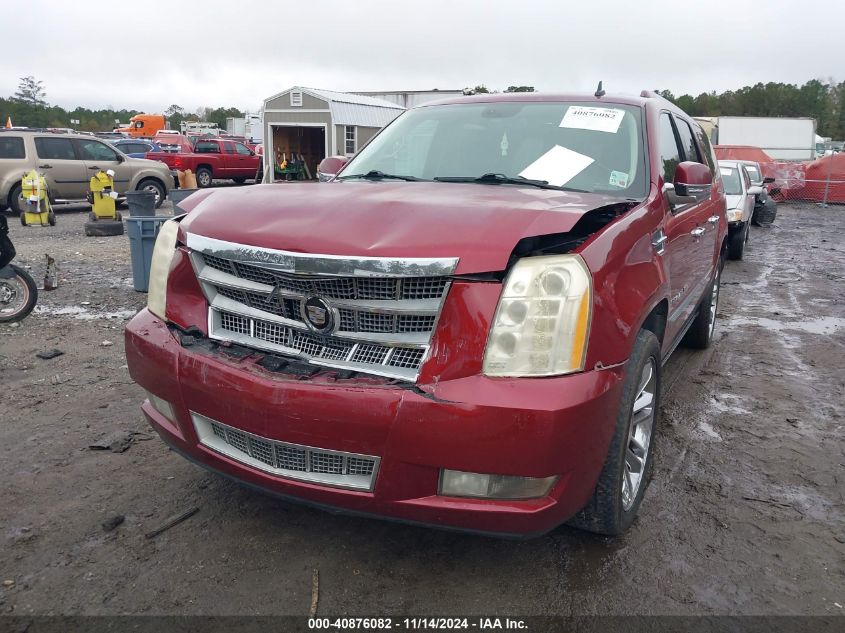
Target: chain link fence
x=820, y=180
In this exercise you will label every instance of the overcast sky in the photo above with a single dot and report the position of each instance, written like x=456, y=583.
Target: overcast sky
x=149, y=54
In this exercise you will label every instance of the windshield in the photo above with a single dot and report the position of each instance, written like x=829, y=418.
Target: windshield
x=568, y=145
x=730, y=176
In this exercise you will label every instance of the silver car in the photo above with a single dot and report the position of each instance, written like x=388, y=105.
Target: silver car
x=740, y=195
x=68, y=161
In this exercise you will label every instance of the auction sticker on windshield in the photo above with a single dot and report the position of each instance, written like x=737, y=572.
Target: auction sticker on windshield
x=599, y=119
x=557, y=166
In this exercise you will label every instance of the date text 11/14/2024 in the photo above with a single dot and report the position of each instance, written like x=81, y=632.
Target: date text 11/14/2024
x=416, y=624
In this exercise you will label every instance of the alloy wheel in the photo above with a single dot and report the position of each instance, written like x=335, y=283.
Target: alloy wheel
x=714, y=303
x=14, y=295
x=639, y=435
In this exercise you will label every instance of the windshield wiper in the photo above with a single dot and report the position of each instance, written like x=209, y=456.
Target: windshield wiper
x=375, y=174
x=501, y=179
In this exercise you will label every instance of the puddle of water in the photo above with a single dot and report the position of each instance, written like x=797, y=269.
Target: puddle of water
x=83, y=313
x=709, y=431
x=722, y=404
x=820, y=325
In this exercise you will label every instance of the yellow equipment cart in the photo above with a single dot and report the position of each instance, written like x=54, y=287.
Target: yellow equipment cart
x=104, y=218
x=35, y=200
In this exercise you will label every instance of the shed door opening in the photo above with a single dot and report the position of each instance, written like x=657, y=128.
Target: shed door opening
x=297, y=151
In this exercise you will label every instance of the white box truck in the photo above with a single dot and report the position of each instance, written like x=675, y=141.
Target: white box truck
x=248, y=126
x=782, y=138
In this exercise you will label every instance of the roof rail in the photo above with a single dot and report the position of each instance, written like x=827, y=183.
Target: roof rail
x=649, y=94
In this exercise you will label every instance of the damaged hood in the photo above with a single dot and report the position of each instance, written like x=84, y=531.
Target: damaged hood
x=478, y=224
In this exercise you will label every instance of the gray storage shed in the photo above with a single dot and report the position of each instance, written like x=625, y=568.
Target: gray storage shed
x=318, y=123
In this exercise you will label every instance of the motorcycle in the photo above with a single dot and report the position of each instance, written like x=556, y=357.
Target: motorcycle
x=18, y=292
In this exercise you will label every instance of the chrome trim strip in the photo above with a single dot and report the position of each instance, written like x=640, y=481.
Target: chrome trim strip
x=327, y=265
x=365, y=483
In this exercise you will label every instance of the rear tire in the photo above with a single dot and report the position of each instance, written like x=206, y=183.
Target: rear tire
x=153, y=186
x=627, y=469
x=700, y=334
x=23, y=283
x=103, y=228
x=15, y=199
x=736, y=244
x=204, y=177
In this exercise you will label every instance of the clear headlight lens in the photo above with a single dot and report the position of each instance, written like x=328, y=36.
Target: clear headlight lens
x=735, y=215
x=165, y=249
x=455, y=483
x=543, y=318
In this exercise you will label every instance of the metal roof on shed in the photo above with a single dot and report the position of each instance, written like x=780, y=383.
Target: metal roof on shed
x=352, y=109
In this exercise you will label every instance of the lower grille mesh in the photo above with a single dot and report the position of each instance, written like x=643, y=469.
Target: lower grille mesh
x=289, y=460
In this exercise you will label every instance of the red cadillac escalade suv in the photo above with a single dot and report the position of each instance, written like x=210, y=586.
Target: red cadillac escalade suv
x=464, y=328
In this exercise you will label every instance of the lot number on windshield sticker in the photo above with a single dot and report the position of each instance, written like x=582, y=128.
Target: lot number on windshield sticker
x=618, y=179
x=599, y=119
x=557, y=166
x=725, y=171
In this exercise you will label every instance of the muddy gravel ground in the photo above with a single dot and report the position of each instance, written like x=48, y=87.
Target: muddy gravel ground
x=744, y=514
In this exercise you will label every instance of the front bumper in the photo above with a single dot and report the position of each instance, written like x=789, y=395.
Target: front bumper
x=526, y=427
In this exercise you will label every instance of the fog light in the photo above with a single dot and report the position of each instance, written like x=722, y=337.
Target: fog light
x=454, y=483
x=162, y=406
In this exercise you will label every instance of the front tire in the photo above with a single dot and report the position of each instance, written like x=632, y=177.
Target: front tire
x=736, y=245
x=204, y=177
x=18, y=295
x=627, y=469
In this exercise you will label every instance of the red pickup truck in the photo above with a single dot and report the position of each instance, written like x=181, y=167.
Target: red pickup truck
x=465, y=327
x=213, y=159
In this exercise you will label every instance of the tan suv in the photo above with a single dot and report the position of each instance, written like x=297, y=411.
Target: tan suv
x=68, y=161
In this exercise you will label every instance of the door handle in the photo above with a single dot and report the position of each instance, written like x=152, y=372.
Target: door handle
x=94, y=167
x=697, y=232
x=713, y=219
x=45, y=167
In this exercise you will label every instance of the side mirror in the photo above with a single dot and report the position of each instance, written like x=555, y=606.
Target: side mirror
x=768, y=180
x=120, y=158
x=755, y=191
x=330, y=166
x=693, y=182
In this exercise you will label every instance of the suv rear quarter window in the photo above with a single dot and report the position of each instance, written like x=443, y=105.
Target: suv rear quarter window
x=55, y=148
x=12, y=147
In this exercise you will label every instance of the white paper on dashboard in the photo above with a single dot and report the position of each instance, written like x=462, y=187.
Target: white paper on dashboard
x=599, y=119
x=557, y=166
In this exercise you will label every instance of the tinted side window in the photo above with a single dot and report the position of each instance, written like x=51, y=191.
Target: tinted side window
x=11, y=147
x=94, y=150
x=670, y=155
x=242, y=149
x=687, y=142
x=55, y=148
x=207, y=147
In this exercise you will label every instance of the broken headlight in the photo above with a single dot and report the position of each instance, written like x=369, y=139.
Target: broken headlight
x=542, y=321
x=163, y=252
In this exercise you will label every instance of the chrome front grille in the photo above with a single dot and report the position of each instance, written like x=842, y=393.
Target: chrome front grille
x=383, y=311
x=286, y=460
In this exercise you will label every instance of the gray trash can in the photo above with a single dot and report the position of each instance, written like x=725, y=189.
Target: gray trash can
x=142, y=233
x=141, y=203
x=177, y=196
